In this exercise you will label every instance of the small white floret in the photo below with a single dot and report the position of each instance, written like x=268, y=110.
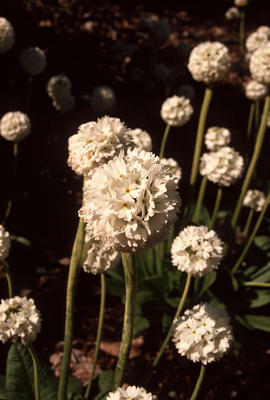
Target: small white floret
x=176, y=110
x=254, y=199
x=131, y=393
x=217, y=137
x=15, y=126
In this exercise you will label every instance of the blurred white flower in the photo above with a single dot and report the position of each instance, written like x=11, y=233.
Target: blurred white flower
x=141, y=138
x=254, y=199
x=209, y=62
x=59, y=89
x=130, y=202
x=103, y=99
x=223, y=166
x=15, y=126
x=173, y=167
x=260, y=65
x=4, y=243
x=176, y=110
x=19, y=319
x=264, y=29
x=33, y=60
x=203, y=334
x=255, y=91
x=217, y=137
x=96, y=143
x=130, y=393
x=7, y=35
x=255, y=40
x=232, y=13
x=197, y=250
x=240, y=3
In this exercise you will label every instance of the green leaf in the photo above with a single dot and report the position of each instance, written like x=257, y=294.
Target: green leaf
x=22, y=240
x=149, y=258
x=263, y=297
x=106, y=380
x=166, y=322
x=205, y=283
x=263, y=242
x=172, y=301
x=74, y=389
x=19, y=377
x=145, y=296
x=261, y=322
x=141, y=323
x=3, y=391
x=263, y=275
x=204, y=215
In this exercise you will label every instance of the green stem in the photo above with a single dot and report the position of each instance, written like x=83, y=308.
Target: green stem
x=127, y=333
x=99, y=332
x=200, y=132
x=8, y=278
x=196, y=215
x=259, y=284
x=199, y=383
x=257, y=114
x=178, y=311
x=74, y=269
x=216, y=208
x=241, y=33
x=253, y=234
x=35, y=369
x=246, y=229
x=164, y=140
x=250, y=118
x=253, y=162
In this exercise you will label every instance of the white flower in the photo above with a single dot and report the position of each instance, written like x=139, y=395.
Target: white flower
x=97, y=257
x=255, y=91
x=96, y=143
x=260, y=65
x=197, y=250
x=33, y=60
x=131, y=393
x=232, y=13
x=59, y=89
x=264, y=29
x=254, y=199
x=223, y=166
x=173, y=167
x=256, y=40
x=240, y=3
x=103, y=99
x=7, y=35
x=209, y=62
x=217, y=137
x=141, y=138
x=15, y=126
x=4, y=243
x=203, y=333
x=130, y=202
x=19, y=319
x=176, y=110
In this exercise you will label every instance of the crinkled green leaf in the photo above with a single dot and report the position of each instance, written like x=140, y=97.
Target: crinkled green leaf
x=74, y=389
x=3, y=391
x=263, y=275
x=263, y=242
x=263, y=297
x=261, y=322
x=106, y=381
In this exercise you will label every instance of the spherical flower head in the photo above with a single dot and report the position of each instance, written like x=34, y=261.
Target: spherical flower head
x=131, y=393
x=141, y=138
x=176, y=110
x=174, y=168
x=19, y=319
x=255, y=91
x=15, y=126
x=97, y=257
x=33, y=60
x=240, y=3
x=217, y=137
x=4, y=243
x=209, y=62
x=254, y=199
x=103, y=99
x=197, y=250
x=224, y=166
x=264, y=29
x=256, y=40
x=260, y=65
x=203, y=334
x=65, y=103
x=232, y=13
x=96, y=143
x=59, y=89
x=7, y=35
x=130, y=202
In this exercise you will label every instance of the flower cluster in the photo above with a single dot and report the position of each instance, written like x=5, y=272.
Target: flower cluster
x=130, y=202
x=260, y=65
x=232, y=13
x=223, y=166
x=217, y=137
x=255, y=91
x=256, y=40
x=141, y=139
x=240, y=3
x=15, y=126
x=203, y=333
x=254, y=199
x=197, y=250
x=33, y=60
x=97, y=257
x=209, y=62
x=59, y=89
x=96, y=143
x=173, y=167
x=102, y=99
x=131, y=393
x=7, y=35
x=19, y=319
x=4, y=243
x=176, y=110
x=264, y=29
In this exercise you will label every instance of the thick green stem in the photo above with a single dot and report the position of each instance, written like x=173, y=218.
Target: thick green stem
x=250, y=118
x=178, y=311
x=252, y=236
x=197, y=211
x=199, y=383
x=164, y=140
x=200, y=132
x=74, y=269
x=8, y=278
x=216, y=208
x=127, y=333
x=35, y=369
x=253, y=162
x=242, y=33
x=246, y=229
x=99, y=332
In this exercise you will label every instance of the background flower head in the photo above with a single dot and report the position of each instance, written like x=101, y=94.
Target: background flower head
x=15, y=126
